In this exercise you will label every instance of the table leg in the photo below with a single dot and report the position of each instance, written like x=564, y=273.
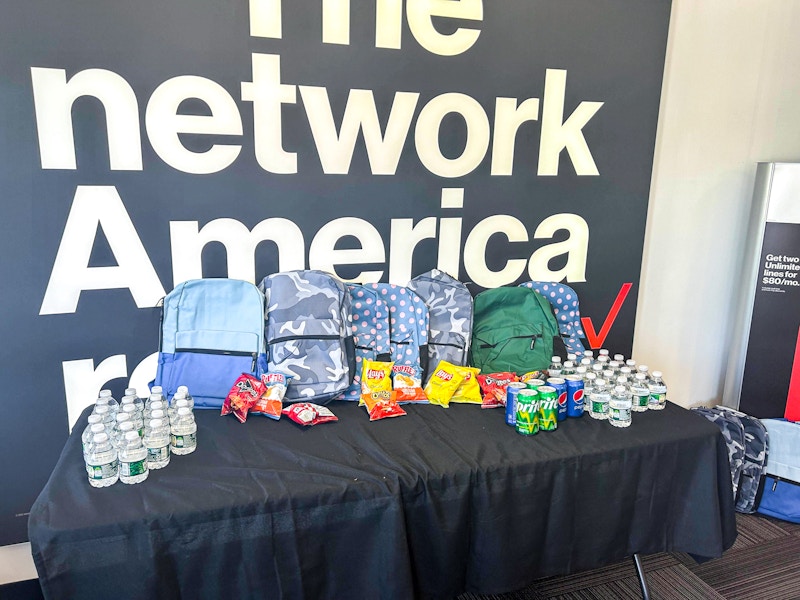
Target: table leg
x=640, y=573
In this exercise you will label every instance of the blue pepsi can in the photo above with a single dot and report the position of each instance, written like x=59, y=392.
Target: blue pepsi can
x=512, y=390
x=574, y=396
x=560, y=386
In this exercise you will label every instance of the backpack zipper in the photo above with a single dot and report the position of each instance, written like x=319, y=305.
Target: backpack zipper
x=223, y=353
x=515, y=337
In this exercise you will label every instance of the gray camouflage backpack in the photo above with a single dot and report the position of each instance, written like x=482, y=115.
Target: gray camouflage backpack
x=756, y=449
x=450, y=316
x=308, y=333
x=747, y=441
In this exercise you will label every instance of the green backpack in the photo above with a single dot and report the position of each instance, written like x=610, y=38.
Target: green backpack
x=513, y=330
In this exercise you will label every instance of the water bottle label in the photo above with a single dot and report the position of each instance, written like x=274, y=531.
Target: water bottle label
x=184, y=441
x=619, y=414
x=658, y=398
x=158, y=454
x=100, y=472
x=599, y=406
x=641, y=400
x=133, y=468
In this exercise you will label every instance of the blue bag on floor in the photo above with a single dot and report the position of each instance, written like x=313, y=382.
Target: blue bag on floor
x=781, y=494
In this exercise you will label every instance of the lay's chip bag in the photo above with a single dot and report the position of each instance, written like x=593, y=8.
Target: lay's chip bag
x=443, y=383
x=376, y=376
x=469, y=391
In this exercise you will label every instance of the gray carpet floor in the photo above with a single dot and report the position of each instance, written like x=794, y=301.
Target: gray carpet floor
x=763, y=564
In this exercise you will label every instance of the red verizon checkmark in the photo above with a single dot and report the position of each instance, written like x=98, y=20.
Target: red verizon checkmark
x=596, y=339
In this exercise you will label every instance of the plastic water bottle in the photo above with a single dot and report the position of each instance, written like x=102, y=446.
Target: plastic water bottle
x=106, y=394
x=640, y=393
x=627, y=374
x=644, y=369
x=658, y=392
x=132, y=459
x=619, y=407
x=185, y=391
x=176, y=406
x=620, y=359
x=102, y=465
x=597, y=369
x=87, y=435
x=136, y=399
x=554, y=370
x=581, y=372
x=572, y=357
x=588, y=355
x=602, y=352
x=588, y=389
x=631, y=364
x=184, y=432
x=586, y=363
x=157, y=442
x=569, y=369
x=136, y=418
x=599, y=400
x=106, y=416
x=153, y=406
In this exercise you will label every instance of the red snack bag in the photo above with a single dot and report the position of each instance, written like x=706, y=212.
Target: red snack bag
x=244, y=393
x=306, y=413
x=493, y=386
x=270, y=403
x=382, y=405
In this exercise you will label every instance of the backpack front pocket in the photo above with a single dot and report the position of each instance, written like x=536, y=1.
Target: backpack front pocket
x=507, y=349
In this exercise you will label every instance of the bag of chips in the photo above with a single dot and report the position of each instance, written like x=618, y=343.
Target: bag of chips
x=243, y=395
x=270, y=403
x=468, y=392
x=382, y=405
x=533, y=375
x=493, y=386
x=376, y=376
x=407, y=382
x=306, y=413
x=443, y=383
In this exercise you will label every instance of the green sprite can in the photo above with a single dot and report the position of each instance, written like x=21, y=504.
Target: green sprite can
x=527, y=412
x=534, y=384
x=548, y=408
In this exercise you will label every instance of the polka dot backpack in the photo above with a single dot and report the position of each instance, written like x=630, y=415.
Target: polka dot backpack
x=564, y=301
x=408, y=326
x=370, y=332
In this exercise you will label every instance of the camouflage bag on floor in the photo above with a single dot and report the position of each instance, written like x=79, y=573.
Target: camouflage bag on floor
x=756, y=448
x=733, y=431
x=309, y=333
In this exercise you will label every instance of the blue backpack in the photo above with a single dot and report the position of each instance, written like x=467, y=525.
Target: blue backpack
x=408, y=326
x=450, y=311
x=212, y=331
x=370, y=332
x=564, y=301
x=309, y=334
x=781, y=490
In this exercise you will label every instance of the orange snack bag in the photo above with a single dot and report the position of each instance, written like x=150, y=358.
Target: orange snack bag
x=382, y=405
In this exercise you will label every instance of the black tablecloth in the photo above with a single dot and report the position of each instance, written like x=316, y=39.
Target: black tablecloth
x=426, y=505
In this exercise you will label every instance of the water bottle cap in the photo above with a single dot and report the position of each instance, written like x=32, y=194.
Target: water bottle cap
x=126, y=400
x=126, y=426
x=568, y=364
x=131, y=436
x=156, y=389
x=156, y=423
x=130, y=391
x=641, y=376
x=625, y=370
x=621, y=379
x=179, y=395
x=105, y=393
x=183, y=389
x=586, y=361
x=630, y=362
x=643, y=368
x=156, y=405
x=603, y=358
x=620, y=389
x=588, y=353
x=619, y=357
x=94, y=419
x=129, y=408
x=182, y=403
x=123, y=416
x=184, y=410
x=603, y=352
x=581, y=369
x=556, y=359
x=600, y=382
x=99, y=438
x=157, y=414
x=571, y=356
x=101, y=409
x=97, y=428
x=657, y=374
x=591, y=376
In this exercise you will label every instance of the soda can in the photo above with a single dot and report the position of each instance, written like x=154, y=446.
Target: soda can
x=574, y=396
x=512, y=390
x=548, y=411
x=534, y=384
x=560, y=385
x=527, y=412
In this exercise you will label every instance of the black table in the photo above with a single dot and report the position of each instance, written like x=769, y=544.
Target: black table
x=426, y=505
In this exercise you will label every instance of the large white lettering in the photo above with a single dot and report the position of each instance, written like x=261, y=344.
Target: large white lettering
x=93, y=207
